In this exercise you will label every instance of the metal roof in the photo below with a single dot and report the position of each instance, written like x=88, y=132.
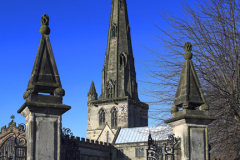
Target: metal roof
x=140, y=134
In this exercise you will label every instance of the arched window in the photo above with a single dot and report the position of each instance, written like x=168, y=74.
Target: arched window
x=110, y=90
x=122, y=60
x=114, y=117
x=101, y=117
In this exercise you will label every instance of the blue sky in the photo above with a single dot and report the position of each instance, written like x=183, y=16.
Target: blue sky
x=78, y=37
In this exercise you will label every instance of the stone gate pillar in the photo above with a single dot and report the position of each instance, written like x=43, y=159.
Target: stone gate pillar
x=191, y=123
x=191, y=126
x=43, y=108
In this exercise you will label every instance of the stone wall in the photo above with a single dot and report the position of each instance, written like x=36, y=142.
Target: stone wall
x=90, y=149
x=129, y=151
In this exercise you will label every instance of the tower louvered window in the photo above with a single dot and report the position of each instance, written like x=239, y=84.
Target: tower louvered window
x=101, y=117
x=114, y=117
x=110, y=90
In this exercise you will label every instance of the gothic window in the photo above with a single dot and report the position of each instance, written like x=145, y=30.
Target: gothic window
x=114, y=117
x=107, y=136
x=101, y=117
x=139, y=152
x=123, y=60
x=110, y=90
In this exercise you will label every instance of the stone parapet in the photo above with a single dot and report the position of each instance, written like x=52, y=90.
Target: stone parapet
x=91, y=144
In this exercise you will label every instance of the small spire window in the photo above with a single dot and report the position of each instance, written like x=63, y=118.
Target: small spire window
x=121, y=4
x=114, y=30
x=123, y=60
x=101, y=117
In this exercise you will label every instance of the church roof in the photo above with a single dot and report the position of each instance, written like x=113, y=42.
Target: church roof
x=140, y=134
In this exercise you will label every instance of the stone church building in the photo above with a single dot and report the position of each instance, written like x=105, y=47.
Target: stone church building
x=116, y=117
x=117, y=121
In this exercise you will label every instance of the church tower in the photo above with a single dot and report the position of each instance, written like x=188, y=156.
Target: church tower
x=118, y=104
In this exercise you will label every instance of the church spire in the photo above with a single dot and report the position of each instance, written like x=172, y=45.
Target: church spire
x=119, y=76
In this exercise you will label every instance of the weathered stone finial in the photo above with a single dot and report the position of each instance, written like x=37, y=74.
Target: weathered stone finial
x=188, y=49
x=12, y=117
x=45, y=22
x=12, y=123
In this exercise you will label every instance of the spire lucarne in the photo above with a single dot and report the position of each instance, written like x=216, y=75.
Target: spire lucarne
x=118, y=104
x=118, y=74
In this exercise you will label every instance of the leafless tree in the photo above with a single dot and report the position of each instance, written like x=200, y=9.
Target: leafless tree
x=213, y=27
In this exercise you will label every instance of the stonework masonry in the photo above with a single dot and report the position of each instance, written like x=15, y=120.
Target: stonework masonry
x=91, y=149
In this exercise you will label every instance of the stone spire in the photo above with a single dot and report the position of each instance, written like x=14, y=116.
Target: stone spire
x=92, y=94
x=118, y=74
x=189, y=93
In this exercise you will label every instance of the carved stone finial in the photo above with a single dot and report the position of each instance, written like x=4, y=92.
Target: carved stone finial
x=45, y=22
x=188, y=49
x=12, y=123
x=12, y=117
